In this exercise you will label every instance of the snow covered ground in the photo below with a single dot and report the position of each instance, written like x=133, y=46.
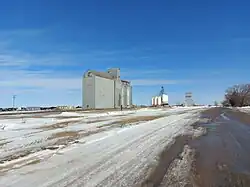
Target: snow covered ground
x=244, y=109
x=88, y=149
x=26, y=133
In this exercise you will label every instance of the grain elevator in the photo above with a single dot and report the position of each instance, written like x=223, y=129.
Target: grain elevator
x=105, y=90
x=161, y=99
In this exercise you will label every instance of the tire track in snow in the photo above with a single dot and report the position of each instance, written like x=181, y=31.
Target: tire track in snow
x=120, y=159
x=106, y=162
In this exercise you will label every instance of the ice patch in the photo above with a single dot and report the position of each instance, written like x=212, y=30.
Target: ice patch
x=224, y=116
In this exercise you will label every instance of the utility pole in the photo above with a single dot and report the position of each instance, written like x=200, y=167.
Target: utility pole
x=13, y=101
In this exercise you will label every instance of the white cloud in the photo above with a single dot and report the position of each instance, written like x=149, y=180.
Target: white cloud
x=11, y=58
x=145, y=71
x=49, y=84
x=12, y=54
x=152, y=82
x=42, y=87
x=45, y=83
x=38, y=79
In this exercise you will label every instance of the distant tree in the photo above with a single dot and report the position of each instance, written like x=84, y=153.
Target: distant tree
x=178, y=103
x=238, y=95
x=225, y=103
x=216, y=103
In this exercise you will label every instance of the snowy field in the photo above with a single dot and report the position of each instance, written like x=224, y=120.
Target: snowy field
x=87, y=149
x=244, y=109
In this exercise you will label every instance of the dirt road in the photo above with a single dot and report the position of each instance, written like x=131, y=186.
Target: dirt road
x=222, y=156
x=218, y=158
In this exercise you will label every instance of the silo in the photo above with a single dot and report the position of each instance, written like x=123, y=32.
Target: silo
x=131, y=96
x=128, y=95
x=124, y=91
x=156, y=101
x=188, y=99
x=122, y=95
x=159, y=100
x=153, y=101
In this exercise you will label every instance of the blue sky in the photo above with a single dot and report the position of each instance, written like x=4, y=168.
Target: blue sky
x=198, y=46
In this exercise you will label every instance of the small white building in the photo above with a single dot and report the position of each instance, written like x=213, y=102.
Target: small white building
x=159, y=100
x=165, y=99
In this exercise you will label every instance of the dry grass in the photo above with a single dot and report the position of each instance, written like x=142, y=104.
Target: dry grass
x=64, y=138
x=65, y=134
x=101, y=120
x=58, y=125
x=139, y=119
x=95, y=121
x=133, y=120
x=36, y=161
x=18, y=165
x=65, y=117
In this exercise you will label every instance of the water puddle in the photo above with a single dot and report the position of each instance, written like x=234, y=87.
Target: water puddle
x=210, y=126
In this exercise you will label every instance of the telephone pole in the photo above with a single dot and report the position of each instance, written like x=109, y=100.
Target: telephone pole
x=13, y=101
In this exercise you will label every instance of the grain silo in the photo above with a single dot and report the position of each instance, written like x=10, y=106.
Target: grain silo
x=127, y=93
x=153, y=101
x=105, y=90
x=98, y=90
x=189, y=99
x=159, y=100
x=122, y=96
x=156, y=101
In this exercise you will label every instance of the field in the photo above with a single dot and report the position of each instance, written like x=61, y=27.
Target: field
x=196, y=146
x=86, y=147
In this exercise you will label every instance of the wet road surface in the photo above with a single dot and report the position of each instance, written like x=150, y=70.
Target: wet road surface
x=222, y=156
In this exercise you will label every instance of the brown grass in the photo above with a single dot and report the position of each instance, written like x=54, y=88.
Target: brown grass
x=65, y=134
x=64, y=138
x=18, y=165
x=132, y=120
x=95, y=121
x=66, y=117
x=101, y=120
x=139, y=119
x=58, y=125
x=33, y=162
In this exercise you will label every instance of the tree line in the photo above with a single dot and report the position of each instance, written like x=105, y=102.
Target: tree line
x=237, y=96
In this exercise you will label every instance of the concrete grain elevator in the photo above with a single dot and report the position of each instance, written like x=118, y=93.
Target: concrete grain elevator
x=102, y=90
